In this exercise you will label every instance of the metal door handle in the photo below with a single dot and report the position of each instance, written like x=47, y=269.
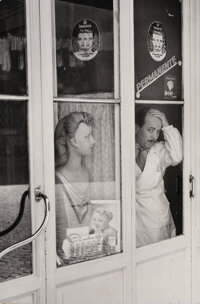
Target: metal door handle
x=38, y=231
x=191, y=180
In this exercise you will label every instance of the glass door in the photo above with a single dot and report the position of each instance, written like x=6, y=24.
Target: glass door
x=89, y=233
x=162, y=171
x=21, y=271
x=14, y=161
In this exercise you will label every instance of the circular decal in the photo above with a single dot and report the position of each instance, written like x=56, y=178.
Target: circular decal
x=85, y=40
x=156, y=40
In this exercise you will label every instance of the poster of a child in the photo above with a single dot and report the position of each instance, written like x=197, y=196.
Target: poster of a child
x=100, y=224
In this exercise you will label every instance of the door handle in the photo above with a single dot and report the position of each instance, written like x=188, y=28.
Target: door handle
x=192, y=181
x=40, y=195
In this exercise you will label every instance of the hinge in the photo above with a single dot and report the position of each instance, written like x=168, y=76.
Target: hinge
x=191, y=180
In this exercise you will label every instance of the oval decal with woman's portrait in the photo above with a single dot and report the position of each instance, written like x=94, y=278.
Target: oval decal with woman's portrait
x=85, y=40
x=156, y=41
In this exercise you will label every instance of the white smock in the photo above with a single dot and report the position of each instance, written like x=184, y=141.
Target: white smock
x=154, y=221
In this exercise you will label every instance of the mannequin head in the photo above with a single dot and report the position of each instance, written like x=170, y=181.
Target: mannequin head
x=73, y=133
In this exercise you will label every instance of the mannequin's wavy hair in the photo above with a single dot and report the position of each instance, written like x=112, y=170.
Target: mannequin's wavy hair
x=66, y=129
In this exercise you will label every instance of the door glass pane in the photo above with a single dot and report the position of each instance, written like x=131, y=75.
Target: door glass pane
x=12, y=48
x=84, y=48
x=13, y=182
x=158, y=125
x=88, y=223
x=158, y=172
x=158, y=50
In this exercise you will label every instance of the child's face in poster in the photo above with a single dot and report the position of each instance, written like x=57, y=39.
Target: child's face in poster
x=100, y=222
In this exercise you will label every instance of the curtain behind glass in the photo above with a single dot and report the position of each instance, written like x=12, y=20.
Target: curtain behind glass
x=101, y=164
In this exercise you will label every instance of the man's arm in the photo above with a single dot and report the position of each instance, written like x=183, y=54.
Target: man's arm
x=171, y=155
x=173, y=145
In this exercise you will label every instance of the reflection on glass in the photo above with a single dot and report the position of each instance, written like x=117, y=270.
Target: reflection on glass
x=14, y=181
x=84, y=48
x=86, y=226
x=12, y=48
x=158, y=147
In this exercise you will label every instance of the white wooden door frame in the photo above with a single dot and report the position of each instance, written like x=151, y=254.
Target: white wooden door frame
x=127, y=96
x=123, y=261
x=184, y=242
x=195, y=127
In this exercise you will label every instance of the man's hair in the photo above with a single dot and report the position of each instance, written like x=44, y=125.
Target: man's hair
x=141, y=115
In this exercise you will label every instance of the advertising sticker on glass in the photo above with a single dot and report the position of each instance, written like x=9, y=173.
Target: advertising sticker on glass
x=158, y=49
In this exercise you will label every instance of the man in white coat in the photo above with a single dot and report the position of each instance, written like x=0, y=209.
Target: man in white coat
x=154, y=221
